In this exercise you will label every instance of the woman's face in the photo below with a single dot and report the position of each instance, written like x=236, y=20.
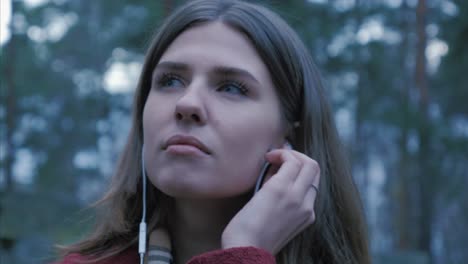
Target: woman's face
x=211, y=115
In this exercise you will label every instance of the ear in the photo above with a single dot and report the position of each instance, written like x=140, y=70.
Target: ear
x=290, y=132
x=283, y=138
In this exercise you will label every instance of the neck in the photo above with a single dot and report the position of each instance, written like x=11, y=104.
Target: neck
x=199, y=224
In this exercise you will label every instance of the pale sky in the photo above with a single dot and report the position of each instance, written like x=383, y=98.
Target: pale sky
x=5, y=17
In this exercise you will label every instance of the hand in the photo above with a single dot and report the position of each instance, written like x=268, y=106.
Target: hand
x=281, y=209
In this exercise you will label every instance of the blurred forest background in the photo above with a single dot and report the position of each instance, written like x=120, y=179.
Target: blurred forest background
x=396, y=72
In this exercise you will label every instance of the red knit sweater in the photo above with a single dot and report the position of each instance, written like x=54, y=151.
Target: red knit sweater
x=238, y=255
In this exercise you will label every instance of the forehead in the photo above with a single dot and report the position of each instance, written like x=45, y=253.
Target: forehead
x=216, y=44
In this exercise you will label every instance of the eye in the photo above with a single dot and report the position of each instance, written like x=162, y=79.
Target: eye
x=233, y=87
x=169, y=80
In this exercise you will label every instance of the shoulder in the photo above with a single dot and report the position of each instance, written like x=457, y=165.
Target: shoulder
x=244, y=255
x=128, y=256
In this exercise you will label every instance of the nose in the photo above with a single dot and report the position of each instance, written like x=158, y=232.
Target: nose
x=190, y=107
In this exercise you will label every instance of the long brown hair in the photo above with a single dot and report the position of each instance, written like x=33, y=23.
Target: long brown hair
x=339, y=232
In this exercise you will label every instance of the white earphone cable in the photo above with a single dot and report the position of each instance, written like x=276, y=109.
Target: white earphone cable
x=142, y=233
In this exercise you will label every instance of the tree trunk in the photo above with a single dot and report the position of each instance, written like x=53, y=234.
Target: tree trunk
x=10, y=99
x=360, y=164
x=402, y=178
x=10, y=110
x=425, y=176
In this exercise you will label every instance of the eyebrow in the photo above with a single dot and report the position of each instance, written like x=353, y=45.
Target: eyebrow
x=169, y=65
x=231, y=71
x=219, y=70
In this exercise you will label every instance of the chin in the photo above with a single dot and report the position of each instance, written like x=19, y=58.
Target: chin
x=201, y=186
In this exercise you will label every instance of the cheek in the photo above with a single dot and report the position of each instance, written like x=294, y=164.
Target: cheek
x=253, y=132
x=245, y=149
x=243, y=171
x=148, y=113
x=154, y=118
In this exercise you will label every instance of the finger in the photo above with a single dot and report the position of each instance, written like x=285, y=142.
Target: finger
x=289, y=165
x=271, y=171
x=316, y=181
x=280, y=156
x=309, y=175
x=305, y=159
x=309, y=204
x=306, y=179
x=274, y=168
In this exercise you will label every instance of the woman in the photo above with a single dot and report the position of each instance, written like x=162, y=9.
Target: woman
x=227, y=87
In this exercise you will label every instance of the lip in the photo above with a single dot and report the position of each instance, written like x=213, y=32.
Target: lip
x=179, y=140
